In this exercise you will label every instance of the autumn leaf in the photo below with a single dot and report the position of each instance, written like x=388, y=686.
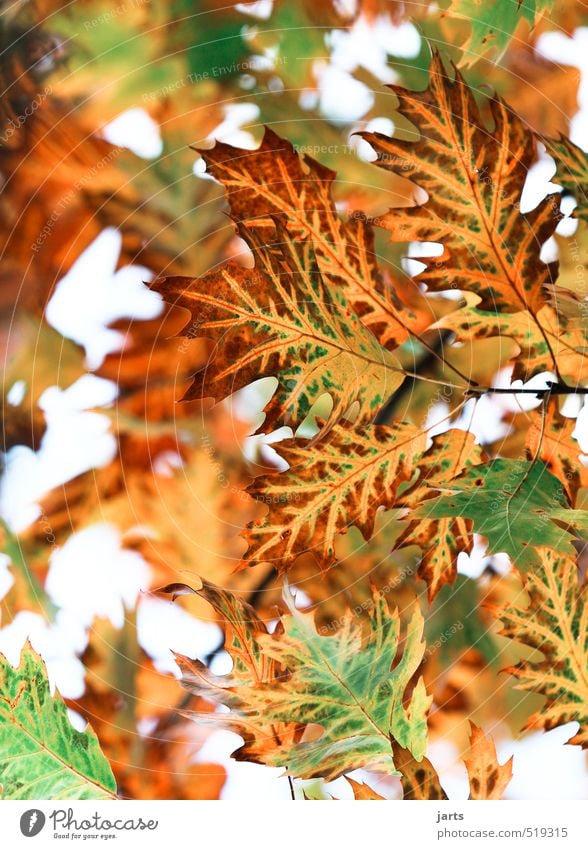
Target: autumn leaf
x=419, y=778
x=514, y=504
x=550, y=439
x=542, y=92
x=320, y=301
x=252, y=669
x=363, y=792
x=551, y=340
x=345, y=684
x=323, y=493
x=283, y=319
x=571, y=171
x=488, y=779
x=440, y=540
x=58, y=362
x=342, y=690
x=41, y=755
x=555, y=623
x=274, y=180
x=124, y=693
x=474, y=179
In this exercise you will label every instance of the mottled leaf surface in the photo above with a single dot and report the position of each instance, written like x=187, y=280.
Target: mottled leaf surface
x=553, y=620
x=275, y=180
x=42, y=756
x=252, y=668
x=440, y=540
x=550, y=340
x=572, y=171
x=282, y=319
x=355, y=471
x=350, y=693
x=419, y=778
x=488, y=778
x=514, y=504
x=474, y=178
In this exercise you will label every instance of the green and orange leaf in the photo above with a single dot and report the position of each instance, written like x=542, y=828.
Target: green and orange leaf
x=252, y=668
x=488, y=779
x=440, y=540
x=517, y=505
x=42, y=756
x=349, y=694
x=474, y=178
x=555, y=623
x=283, y=319
x=356, y=471
x=550, y=439
x=571, y=171
x=554, y=339
x=274, y=180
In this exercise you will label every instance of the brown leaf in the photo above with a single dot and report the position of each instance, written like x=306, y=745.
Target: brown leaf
x=419, y=778
x=363, y=792
x=488, y=778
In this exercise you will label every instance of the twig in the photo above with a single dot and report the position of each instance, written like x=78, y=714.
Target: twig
x=550, y=389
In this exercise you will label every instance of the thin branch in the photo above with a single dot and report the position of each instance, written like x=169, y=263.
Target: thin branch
x=550, y=389
x=427, y=361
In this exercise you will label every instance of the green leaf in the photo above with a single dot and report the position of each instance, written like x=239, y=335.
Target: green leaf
x=41, y=755
x=454, y=623
x=494, y=23
x=513, y=503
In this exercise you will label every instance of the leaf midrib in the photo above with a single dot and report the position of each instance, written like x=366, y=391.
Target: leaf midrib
x=55, y=756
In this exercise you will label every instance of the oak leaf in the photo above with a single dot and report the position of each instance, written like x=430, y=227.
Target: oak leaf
x=419, y=779
x=514, y=504
x=555, y=623
x=554, y=339
x=252, y=669
x=41, y=755
x=275, y=180
x=440, y=540
x=550, y=439
x=356, y=471
x=488, y=778
x=350, y=692
x=571, y=171
x=283, y=319
x=474, y=178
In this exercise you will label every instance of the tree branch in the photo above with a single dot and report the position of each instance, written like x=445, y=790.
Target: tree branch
x=551, y=389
